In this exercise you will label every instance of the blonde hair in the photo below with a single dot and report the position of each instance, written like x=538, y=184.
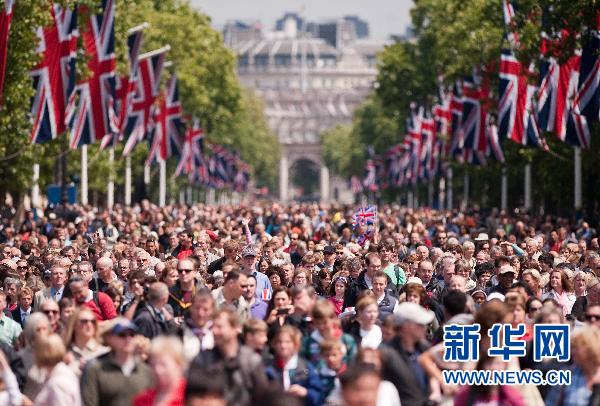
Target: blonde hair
x=586, y=341
x=169, y=346
x=291, y=331
x=49, y=350
x=73, y=322
x=364, y=303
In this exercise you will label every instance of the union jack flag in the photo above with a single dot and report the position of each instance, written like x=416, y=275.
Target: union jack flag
x=474, y=114
x=165, y=137
x=364, y=216
x=91, y=122
x=242, y=177
x=125, y=89
x=516, y=115
x=54, y=76
x=139, y=120
x=454, y=147
x=191, y=146
x=5, y=20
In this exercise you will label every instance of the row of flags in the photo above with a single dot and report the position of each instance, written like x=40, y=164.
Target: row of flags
x=564, y=99
x=107, y=108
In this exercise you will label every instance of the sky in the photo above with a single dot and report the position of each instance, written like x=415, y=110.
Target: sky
x=385, y=17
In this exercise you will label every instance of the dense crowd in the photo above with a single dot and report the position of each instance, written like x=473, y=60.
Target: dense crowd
x=285, y=304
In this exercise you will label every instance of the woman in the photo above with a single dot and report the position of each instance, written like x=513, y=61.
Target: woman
x=364, y=329
x=517, y=309
x=37, y=327
x=61, y=386
x=580, y=281
x=293, y=373
x=561, y=290
x=170, y=276
x=415, y=293
x=585, y=354
x=82, y=339
x=115, y=296
x=337, y=292
x=323, y=282
x=263, y=266
x=168, y=365
x=532, y=278
x=274, y=278
x=11, y=287
x=532, y=308
x=280, y=306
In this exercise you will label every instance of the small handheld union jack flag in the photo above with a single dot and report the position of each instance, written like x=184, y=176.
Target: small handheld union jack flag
x=364, y=216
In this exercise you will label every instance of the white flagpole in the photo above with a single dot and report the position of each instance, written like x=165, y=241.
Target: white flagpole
x=162, y=187
x=578, y=199
x=128, y=181
x=84, y=175
x=110, y=198
x=35, y=188
x=527, y=198
x=450, y=191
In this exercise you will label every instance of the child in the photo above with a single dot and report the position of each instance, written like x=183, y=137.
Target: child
x=293, y=373
x=254, y=334
x=330, y=367
x=327, y=326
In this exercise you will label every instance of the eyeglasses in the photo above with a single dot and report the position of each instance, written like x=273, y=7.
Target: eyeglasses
x=87, y=321
x=50, y=311
x=534, y=309
x=592, y=317
x=185, y=270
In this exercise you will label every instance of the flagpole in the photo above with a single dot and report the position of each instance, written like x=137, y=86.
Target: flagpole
x=110, y=198
x=450, y=191
x=84, y=174
x=162, y=186
x=577, y=164
x=128, y=181
x=504, y=190
x=35, y=188
x=465, y=189
x=147, y=181
x=441, y=193
x=527, y=197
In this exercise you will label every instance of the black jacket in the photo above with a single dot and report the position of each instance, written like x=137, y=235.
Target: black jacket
x=397, y=369
x=16, y=315
x=150, y=323
x=359, y=285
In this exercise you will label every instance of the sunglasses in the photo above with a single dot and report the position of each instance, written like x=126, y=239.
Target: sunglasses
x=592, y=317
x=50, y=311
x=185, y=270
x=87, y=321
x=534, y=309
x=126, y=334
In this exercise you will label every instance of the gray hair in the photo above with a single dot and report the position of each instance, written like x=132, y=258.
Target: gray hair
x=33, y=322
x=12, y=281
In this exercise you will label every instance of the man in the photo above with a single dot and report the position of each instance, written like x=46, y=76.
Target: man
x=298, y=253
x=387, y=251
x=304, y=299
x=181, y=294
x=364, y=280
x=592, y=315
x=152, y=318
x=196, y=330
x=98, y=302
x=230, y=294
x=248, y=265
x=104, y=269
x=184, y=249
x=361, y=386
x=23, y=310
x=258, y=308
x=329, y=256
x=58, y=278
x=115, y=378
x=123, y=269
x=446, y=268
x=440, y=239
x=385, y=301
x=532, y=248
x=10, y=330
x=230, y=251
x=583, y=302
x=506, y=277
x=425, y=273
x=238, y=365
x=399, y=357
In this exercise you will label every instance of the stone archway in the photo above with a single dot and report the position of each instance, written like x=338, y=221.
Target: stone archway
x=294, y=158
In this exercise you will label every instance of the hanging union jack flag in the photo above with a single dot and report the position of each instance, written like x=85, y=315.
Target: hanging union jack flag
x=192, y=146
x=5, y=20
x=125, y=89
x=91, y=119
x=54, y=76
x=139, y=121
x=364, y=216
x=166, y=134
x=516, y=115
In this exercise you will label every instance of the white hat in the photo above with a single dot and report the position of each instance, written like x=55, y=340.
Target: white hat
x=495, y=295
x=408, y=311
x=414, y=279
x=482, y=237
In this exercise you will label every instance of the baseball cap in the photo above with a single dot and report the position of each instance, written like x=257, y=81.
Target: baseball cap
x=329, y=249
x=413, y=312
x=506, y=269
x=119, y=325
x=248, y=251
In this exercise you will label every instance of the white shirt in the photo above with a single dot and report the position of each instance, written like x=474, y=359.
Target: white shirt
x=291, y=364
x=371, y=338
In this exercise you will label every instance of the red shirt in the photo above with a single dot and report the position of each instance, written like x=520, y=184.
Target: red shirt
x=183, y=254
x=106, y=310
x=147, y=397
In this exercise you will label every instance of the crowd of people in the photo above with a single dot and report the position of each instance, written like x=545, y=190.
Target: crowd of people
x=272, y=304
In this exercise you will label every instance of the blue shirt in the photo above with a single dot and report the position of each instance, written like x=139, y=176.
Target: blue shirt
x=263, y=286
x=258, y=310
